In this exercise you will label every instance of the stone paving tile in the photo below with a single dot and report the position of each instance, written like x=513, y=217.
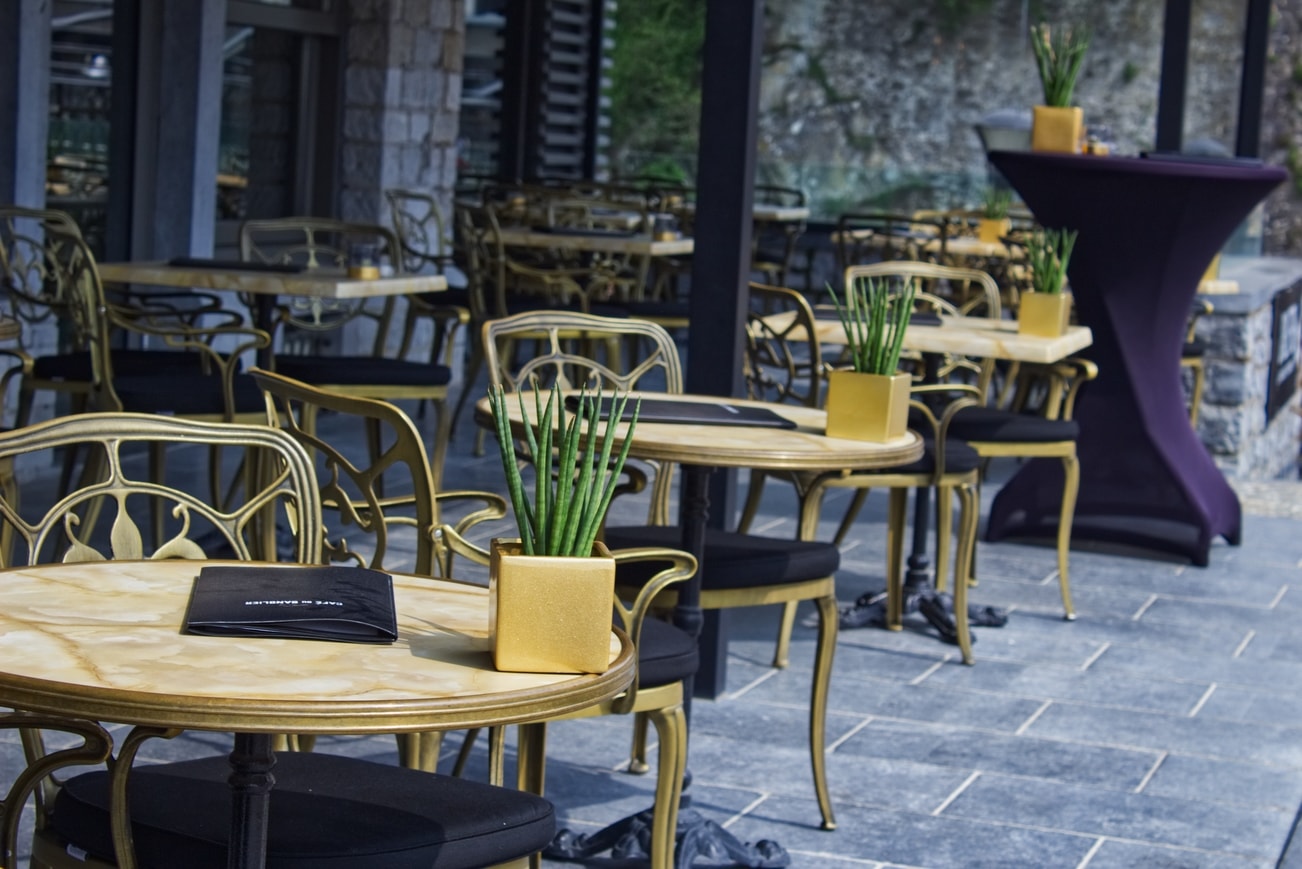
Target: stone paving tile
x=999, y=680
x=1113, y=854
x=1279, y=745
x=1245, y=704
x=1260, y=786
x=1136, y=660
x=904, y=838
x=975, y=750
x=1258, y=833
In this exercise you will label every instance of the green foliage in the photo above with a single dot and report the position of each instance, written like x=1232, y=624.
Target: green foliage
x=1048, y=251
x=874, y=320
x=994, y=206
x=1129, y=72
x=952, y=14
x=655, y=77
x=572, y=487
x=1058, y=57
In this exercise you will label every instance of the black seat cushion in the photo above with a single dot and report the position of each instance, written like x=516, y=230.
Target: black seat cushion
x=992, y=425
x=1193, y=349
x=186, y=394
x=732, y=560
x=665, y=654
x=959, y=459
x=520, y=304
x=674, y=309
x=326, y=811
x=451, y=297
x=362, y=371
x=76, y=366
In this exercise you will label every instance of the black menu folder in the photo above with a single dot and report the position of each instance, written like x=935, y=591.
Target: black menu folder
x=345, y=604
x=198, y=262
x=721, y=412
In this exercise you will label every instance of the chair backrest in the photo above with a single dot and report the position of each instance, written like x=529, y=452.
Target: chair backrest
x=783, y=361
x=418, y=225
x=871, y=236
x=278, y=482
x=94, y=320
x=564, y=353
x=374, y=495
x=30, y=275
x=322, y=242
x=972, y=292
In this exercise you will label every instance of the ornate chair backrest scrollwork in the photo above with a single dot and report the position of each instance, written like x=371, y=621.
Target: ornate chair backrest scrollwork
x=279, y=483
x=783, y=361
x=380, y=500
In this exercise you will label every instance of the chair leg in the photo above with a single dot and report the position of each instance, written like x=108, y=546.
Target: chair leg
x=1196, y=392
x=420, y=750
x=463, y=753
x=497, y=755
x=473, y=365
x=671, y=728
x=895, y=558
x=442, y=434
x=827, y=631
x=851, y=513
x=531, y=756
x=1070, y=487
x=944, y=528
x=782, y=654
x=754, y=492
x=637, y=764
x=969, y=508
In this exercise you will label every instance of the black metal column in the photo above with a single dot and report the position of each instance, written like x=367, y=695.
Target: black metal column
x=721, y=262
x=1252, y=84
x=1175, y=68
x=520, y=66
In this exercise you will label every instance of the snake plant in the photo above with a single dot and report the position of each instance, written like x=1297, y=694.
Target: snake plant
x=874, y=320
x=574, y=477
x=1048, y=251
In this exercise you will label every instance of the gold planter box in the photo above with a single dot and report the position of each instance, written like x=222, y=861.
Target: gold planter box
x=1044, y=315
x=867, y=407
x=991, y=229
x=550, y=614
x=1056, y=128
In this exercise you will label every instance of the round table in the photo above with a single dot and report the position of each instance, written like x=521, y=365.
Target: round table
x=103, y=641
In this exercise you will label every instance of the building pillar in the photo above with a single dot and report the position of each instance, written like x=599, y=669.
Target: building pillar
x=177, y=127
x=24, y=100
x=402, y=100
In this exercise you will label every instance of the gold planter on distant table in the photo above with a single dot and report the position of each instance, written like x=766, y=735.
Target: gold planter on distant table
x=1056, y=128
x=867, y=407
x=550, y=614
x=991, y=229
x=1044, y=315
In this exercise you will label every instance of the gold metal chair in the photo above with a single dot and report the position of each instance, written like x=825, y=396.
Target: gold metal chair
x=739, y=570
x=773, y=242
x=85, y=820
x=379, y=502
x=319, y=242
x=1192, y=356
x=786, y=365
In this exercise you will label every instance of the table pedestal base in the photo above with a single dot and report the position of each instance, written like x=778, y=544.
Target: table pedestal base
x=698, y=839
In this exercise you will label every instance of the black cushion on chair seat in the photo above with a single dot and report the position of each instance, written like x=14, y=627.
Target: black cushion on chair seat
x=451, y=297
x=993, y=425
x=186, y=394
x=665, y=654
x=1193, y=349
x=76, y=366
x=959, y=459
x=521, y=304
x=732, y=560
x=362, y=371
x=327, y=812
x=658, y=309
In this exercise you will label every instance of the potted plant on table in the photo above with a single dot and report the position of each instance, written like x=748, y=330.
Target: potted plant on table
x=993, y=224
x=1046, y=310
x=1057, y=124
x=550, y=590
x=870, y=400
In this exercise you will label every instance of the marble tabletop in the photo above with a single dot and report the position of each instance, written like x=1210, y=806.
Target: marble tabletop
x=614, y=242
x=103, y=641
x=317, y=283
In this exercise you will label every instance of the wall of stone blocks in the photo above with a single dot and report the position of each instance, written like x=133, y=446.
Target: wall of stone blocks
x=1232, y=423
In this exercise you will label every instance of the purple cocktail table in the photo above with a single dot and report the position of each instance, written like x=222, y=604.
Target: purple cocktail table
x=1148, y=229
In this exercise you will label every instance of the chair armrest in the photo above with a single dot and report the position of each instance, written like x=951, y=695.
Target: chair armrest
x=681, y=567
x=965, y=395
x=494, y=507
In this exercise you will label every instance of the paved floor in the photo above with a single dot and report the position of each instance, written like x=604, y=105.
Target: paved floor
x=1162, y=728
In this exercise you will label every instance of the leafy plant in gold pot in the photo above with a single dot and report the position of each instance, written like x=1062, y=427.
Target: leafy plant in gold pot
x=550, y=590
x=1046, y=311
x=1057, y=124
x=993, y=224
x=870, y=400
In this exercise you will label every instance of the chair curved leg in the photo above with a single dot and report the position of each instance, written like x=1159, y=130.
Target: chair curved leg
x=823, y=659
x=895, y=558
x=1070, y=487
x=497, y=756
x=754, y=492
x=637, y=764
x=851, y=513
x=442, y=434
x=473, y=365
x=671, y=727
x=463, y=753
x=782, y=653
x=420, y=750
x=969, y=508
x=944, y=527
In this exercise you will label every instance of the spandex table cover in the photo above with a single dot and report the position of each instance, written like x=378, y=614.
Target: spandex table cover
x=1148, y=228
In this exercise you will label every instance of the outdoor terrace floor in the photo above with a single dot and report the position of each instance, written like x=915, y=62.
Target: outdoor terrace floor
x=1162, y=728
